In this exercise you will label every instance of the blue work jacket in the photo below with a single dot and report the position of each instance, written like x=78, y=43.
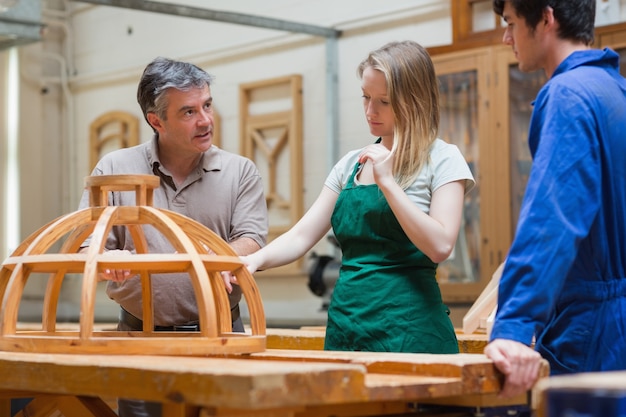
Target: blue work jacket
x=564, y=280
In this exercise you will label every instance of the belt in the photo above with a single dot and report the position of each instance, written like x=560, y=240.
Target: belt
x=136, y=323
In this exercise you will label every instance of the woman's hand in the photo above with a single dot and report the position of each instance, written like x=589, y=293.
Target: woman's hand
x=251, y=263
x=381, y=159
x=230, y=279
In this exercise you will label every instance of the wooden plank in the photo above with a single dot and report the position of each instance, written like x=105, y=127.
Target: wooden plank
x=484, y=305
x=295, y=339
x=274, y=383
x=132, y=343
x=213, y=382
x=477, y=372
x=472, y=343
x=155, y=263
x=65, y=326
x=383, y=387
x=309, y=338
x=312, y=338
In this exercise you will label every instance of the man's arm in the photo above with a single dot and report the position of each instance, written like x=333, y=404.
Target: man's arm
x=244, y=246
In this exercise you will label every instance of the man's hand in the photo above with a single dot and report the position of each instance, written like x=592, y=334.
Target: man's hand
x=117, y=275
x=230, y=279
x=519, y=363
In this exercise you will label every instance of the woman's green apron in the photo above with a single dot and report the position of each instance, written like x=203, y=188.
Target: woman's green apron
x=386, y=298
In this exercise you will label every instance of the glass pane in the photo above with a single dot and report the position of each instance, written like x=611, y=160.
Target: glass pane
x=523, y=88
x=459, y=125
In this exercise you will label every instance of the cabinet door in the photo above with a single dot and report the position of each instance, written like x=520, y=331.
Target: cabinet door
x=486, y=104
x=615, y=38
x=464, y=122
x=513, y=115
x=516, y=90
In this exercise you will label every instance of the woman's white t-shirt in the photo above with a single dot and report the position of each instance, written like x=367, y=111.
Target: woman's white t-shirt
x=445, y=164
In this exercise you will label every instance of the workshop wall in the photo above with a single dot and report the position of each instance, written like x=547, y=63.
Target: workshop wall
x=90, y=59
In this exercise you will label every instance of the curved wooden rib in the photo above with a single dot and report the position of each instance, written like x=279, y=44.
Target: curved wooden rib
x=14, y=289
x=197, y=272
x=141, y=247
x=53, y=288
x=206, y=241
x=34, y=244
x=90, y=274
x=246, y=281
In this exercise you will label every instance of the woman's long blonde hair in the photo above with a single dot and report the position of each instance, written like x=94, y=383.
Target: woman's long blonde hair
x=413, y=91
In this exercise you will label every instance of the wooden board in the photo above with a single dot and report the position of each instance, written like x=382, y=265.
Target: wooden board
x=482, y=313
x=276, y=382
x=312, y=338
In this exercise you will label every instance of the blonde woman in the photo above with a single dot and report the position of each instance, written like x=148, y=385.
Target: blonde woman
x=395, y=207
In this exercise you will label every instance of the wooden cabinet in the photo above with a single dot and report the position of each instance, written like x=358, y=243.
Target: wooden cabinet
x=485, y=110
x=474, y=116
x=464, y=95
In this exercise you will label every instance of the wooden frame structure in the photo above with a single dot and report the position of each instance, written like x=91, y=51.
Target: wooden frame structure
x=115, y=129
x=481, y=315
x=269, y=136
x=192, y=242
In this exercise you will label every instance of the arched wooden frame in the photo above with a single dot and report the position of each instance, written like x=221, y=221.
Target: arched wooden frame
x=265, y=151
x=115, y=129
x=192, y=242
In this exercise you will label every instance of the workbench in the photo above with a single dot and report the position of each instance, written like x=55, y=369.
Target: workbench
x=81, y=371
x=274, y=383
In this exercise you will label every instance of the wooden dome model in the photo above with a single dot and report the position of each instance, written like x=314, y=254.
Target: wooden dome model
x=192, y=242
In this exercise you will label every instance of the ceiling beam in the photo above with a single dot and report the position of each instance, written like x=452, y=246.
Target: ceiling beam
x=219, y=16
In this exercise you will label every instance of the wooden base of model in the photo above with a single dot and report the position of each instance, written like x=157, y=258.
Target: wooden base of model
x=198, y=252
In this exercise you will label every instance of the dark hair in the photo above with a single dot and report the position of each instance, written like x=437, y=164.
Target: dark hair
x=162, y=74
x=576, y=17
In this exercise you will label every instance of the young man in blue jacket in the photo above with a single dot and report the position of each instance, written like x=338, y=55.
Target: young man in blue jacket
x=564, y=280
